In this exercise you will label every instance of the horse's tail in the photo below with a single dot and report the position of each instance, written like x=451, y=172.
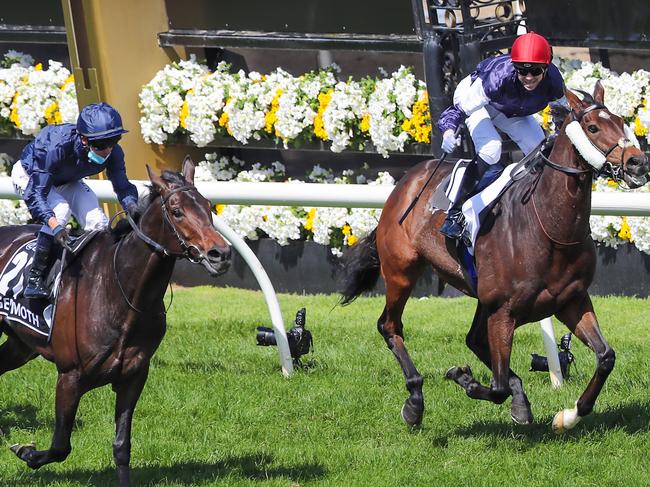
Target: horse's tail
x=361, y=264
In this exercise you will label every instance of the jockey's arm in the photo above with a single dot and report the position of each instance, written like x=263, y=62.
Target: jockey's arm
x=468, y=97
x=126, y=191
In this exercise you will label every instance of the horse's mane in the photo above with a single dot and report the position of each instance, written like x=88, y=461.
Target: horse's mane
x=559, y=113
x=122, y=227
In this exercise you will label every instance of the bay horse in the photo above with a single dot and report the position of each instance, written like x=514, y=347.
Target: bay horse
x=535, y=259
x=110, y=315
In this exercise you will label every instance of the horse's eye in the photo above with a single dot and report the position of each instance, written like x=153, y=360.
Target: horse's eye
x=592, y=128
x=177, y=212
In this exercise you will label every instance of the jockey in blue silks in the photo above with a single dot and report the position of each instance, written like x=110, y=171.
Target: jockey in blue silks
x=49, y=178
x=503, y=92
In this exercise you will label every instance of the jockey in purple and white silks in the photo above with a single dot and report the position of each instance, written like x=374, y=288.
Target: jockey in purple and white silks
x=503, y=92
x=49, y=177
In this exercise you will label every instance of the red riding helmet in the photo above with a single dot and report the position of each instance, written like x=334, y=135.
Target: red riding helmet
x=531, y=48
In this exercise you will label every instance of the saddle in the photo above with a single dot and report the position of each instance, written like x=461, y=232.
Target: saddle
x=36, y=314
x=477, y=208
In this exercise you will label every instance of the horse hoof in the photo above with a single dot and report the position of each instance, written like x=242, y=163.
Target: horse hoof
x=412, y=414
x=565, y=420
x=22, y=451
x=521, y=414
x=454, y=373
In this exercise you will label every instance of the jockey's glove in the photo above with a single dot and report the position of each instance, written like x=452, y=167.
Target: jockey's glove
x=61, y=235
x=132, y=210
x=450, y=141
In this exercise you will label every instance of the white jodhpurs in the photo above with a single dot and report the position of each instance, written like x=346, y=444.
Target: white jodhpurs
x=74, y=198
x=524, y=131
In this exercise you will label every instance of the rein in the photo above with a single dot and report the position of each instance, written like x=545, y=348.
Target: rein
x=607, y=167
x=190, y=252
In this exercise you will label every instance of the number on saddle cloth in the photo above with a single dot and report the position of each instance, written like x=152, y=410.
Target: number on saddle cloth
x=36, y=314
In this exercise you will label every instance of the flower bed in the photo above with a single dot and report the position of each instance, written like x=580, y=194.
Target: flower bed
x=391, y=112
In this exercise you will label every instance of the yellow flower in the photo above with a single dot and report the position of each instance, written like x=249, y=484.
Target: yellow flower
x=611, y=183
x=50, y=113
x=219, y=208
x=185, y=111
x=13, y=116
x=38, y=67
x=639, y=129
x=625, y=232
x=419, y=125
x=364, y=126
x=319, y=128
x=346, y=229
x=352, y=240
x=271, y=117
x=546, y=117
x=309, y=224
x=68, y=80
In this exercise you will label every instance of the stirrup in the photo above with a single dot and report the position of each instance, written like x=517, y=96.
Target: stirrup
x=36, y=290
x=453, y=226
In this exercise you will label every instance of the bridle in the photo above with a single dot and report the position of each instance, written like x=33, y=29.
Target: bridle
x=606, y=169
x=190, y=252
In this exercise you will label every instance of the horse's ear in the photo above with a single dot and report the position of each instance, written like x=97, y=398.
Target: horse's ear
x=599, y=93
x=188, y=169
x=156, y=180
x=574, y=102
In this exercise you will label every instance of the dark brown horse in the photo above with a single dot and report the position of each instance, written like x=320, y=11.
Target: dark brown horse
x=110, y=315
x=536, y=259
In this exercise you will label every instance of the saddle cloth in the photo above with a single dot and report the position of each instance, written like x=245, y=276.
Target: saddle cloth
x=35, y=314
x=472, y=208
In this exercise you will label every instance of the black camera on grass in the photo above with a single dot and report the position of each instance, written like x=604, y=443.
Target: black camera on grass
x=539, y=363
x=299, y=337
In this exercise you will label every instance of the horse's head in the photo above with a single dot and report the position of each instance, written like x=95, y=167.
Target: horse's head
x=188, y=220
x=603, y=139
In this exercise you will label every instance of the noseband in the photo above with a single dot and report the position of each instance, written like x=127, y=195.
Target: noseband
x=607, y=168
x=190, y=252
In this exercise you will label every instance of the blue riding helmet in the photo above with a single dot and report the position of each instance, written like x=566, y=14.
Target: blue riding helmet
x=99, y=121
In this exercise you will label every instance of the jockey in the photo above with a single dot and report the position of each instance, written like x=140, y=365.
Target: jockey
x=504, y=92
x=49, y=176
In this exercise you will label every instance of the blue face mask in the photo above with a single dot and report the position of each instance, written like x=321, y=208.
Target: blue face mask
x=96, y=158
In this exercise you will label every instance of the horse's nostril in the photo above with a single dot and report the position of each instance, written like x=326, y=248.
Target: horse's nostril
x=217, y=254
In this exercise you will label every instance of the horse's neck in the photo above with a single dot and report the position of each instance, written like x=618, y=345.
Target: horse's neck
x=152, y=271
x=563, y=201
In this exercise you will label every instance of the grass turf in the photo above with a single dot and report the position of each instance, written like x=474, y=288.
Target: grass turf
x=217, y=411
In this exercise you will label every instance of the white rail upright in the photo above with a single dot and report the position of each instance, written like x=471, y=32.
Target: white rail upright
x=347, y=196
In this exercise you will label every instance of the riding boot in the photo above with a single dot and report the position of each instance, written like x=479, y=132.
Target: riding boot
x=36, y=288
x=454, y=224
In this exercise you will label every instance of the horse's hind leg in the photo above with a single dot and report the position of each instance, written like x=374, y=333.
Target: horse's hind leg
x=67, y=401
x=399, y=283
x=477, y=342
x=580, y=318
x=500, y=330
x=14, y=354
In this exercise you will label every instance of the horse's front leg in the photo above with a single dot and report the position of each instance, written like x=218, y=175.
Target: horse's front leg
x=127, y=393
x=580, y=318
x=477, y=342
x=398, y=289
x=67, y=401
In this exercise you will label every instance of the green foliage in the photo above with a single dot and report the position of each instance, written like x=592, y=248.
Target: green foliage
x=217, y=411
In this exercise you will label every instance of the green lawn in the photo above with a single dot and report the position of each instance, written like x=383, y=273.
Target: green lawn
x=217, y=411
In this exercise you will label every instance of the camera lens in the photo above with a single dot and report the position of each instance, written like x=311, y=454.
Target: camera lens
x=265, y=336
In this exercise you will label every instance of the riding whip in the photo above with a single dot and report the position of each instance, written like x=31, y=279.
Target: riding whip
x=417, y=197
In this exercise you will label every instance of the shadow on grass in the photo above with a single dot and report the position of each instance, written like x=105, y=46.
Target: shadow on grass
x=18, y=416
x=631, y=418
x=253, y=467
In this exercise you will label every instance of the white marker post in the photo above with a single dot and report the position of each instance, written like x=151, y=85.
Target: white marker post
x=554, y=369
